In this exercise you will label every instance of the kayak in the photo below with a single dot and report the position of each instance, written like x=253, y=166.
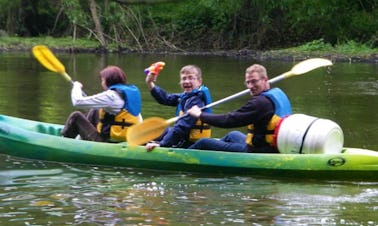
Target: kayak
x=31, y=139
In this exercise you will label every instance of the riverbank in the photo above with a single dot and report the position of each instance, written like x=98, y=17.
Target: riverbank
x=349, y=52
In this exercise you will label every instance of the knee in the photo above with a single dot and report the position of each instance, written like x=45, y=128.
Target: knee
x=198, y=144
x=202, y=140
x=235, y=133
x=234, y=136
x=230, y=135
x=76, y=114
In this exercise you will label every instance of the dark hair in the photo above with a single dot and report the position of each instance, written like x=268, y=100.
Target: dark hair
x=113, y=75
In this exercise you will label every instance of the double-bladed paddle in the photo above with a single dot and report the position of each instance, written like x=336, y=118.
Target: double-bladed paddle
x=44, y=55
x=153, y=127
x=49, y=61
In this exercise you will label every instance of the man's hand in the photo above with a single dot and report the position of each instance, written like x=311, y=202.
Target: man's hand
x=195, y=111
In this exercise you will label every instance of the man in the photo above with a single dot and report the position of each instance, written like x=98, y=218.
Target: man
x=261, y=114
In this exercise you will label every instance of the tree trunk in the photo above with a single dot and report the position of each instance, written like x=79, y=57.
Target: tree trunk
x=10, y=22
x=96, y=21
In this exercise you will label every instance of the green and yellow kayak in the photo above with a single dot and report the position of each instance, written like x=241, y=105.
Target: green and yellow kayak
x=42, y=141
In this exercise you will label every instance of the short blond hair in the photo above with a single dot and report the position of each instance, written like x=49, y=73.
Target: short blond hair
x=192, y=69
x=259, y=69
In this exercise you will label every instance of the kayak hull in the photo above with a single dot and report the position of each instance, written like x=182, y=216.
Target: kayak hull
x=42, y=141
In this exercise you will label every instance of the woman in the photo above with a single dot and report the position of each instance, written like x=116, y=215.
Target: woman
x=112, y=111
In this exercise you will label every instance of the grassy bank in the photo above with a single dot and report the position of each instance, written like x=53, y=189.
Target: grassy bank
x=350, y=52
x=17, y=43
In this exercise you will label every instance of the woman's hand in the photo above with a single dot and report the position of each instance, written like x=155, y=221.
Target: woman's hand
x=78, y=84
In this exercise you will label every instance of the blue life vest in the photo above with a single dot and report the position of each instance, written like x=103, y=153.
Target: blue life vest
x=282, y=108
x=185, y=96
x=199, y=129
x=281, y=102
x=133, y=100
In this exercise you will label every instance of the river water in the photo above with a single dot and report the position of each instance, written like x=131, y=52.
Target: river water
x=45, y=193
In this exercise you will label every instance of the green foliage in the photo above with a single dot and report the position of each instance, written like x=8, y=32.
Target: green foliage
x=316, y=45
x=198, y=23
x=320, y=48
x=201, y=24
x=355, y=48
x=75, y=12
x=335, y=21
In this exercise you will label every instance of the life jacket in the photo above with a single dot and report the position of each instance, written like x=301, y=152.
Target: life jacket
x=282, y=108
x=115, y=126
x=199, y=129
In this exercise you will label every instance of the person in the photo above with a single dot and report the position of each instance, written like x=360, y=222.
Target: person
x=260, y=114
x=111, y=111
x=187, y=129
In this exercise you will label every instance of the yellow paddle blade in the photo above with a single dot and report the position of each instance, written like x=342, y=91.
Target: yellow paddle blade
x=302, y=68
x=44, y=55
x=146, y=131
x=47, y=59
x=309, y=65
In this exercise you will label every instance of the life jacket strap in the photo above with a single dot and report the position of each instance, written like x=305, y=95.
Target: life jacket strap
x=123, y=124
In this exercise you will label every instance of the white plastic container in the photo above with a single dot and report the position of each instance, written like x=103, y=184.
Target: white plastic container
x=299, y=133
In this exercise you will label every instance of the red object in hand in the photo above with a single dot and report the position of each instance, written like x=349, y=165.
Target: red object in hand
x=155, y=68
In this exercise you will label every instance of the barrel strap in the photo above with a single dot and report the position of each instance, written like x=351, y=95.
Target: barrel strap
x=304, y=135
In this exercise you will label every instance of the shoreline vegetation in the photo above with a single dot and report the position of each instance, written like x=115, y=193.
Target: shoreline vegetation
x=349, y=52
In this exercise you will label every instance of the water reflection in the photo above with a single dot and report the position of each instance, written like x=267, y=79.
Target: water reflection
x=76, y=195
x=16, y=177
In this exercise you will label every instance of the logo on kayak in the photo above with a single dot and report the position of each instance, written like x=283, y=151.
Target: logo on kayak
x=338, y=161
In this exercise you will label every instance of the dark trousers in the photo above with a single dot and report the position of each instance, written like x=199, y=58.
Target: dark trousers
x=234, y=141
x=84, y=125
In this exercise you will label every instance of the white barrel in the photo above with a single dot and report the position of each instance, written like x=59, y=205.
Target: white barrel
x=299, y=133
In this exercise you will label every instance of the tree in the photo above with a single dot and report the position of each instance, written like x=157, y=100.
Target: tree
x=96, y=21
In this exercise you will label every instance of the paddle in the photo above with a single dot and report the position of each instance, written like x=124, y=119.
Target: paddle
x=153, y=127
x=49, y=61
